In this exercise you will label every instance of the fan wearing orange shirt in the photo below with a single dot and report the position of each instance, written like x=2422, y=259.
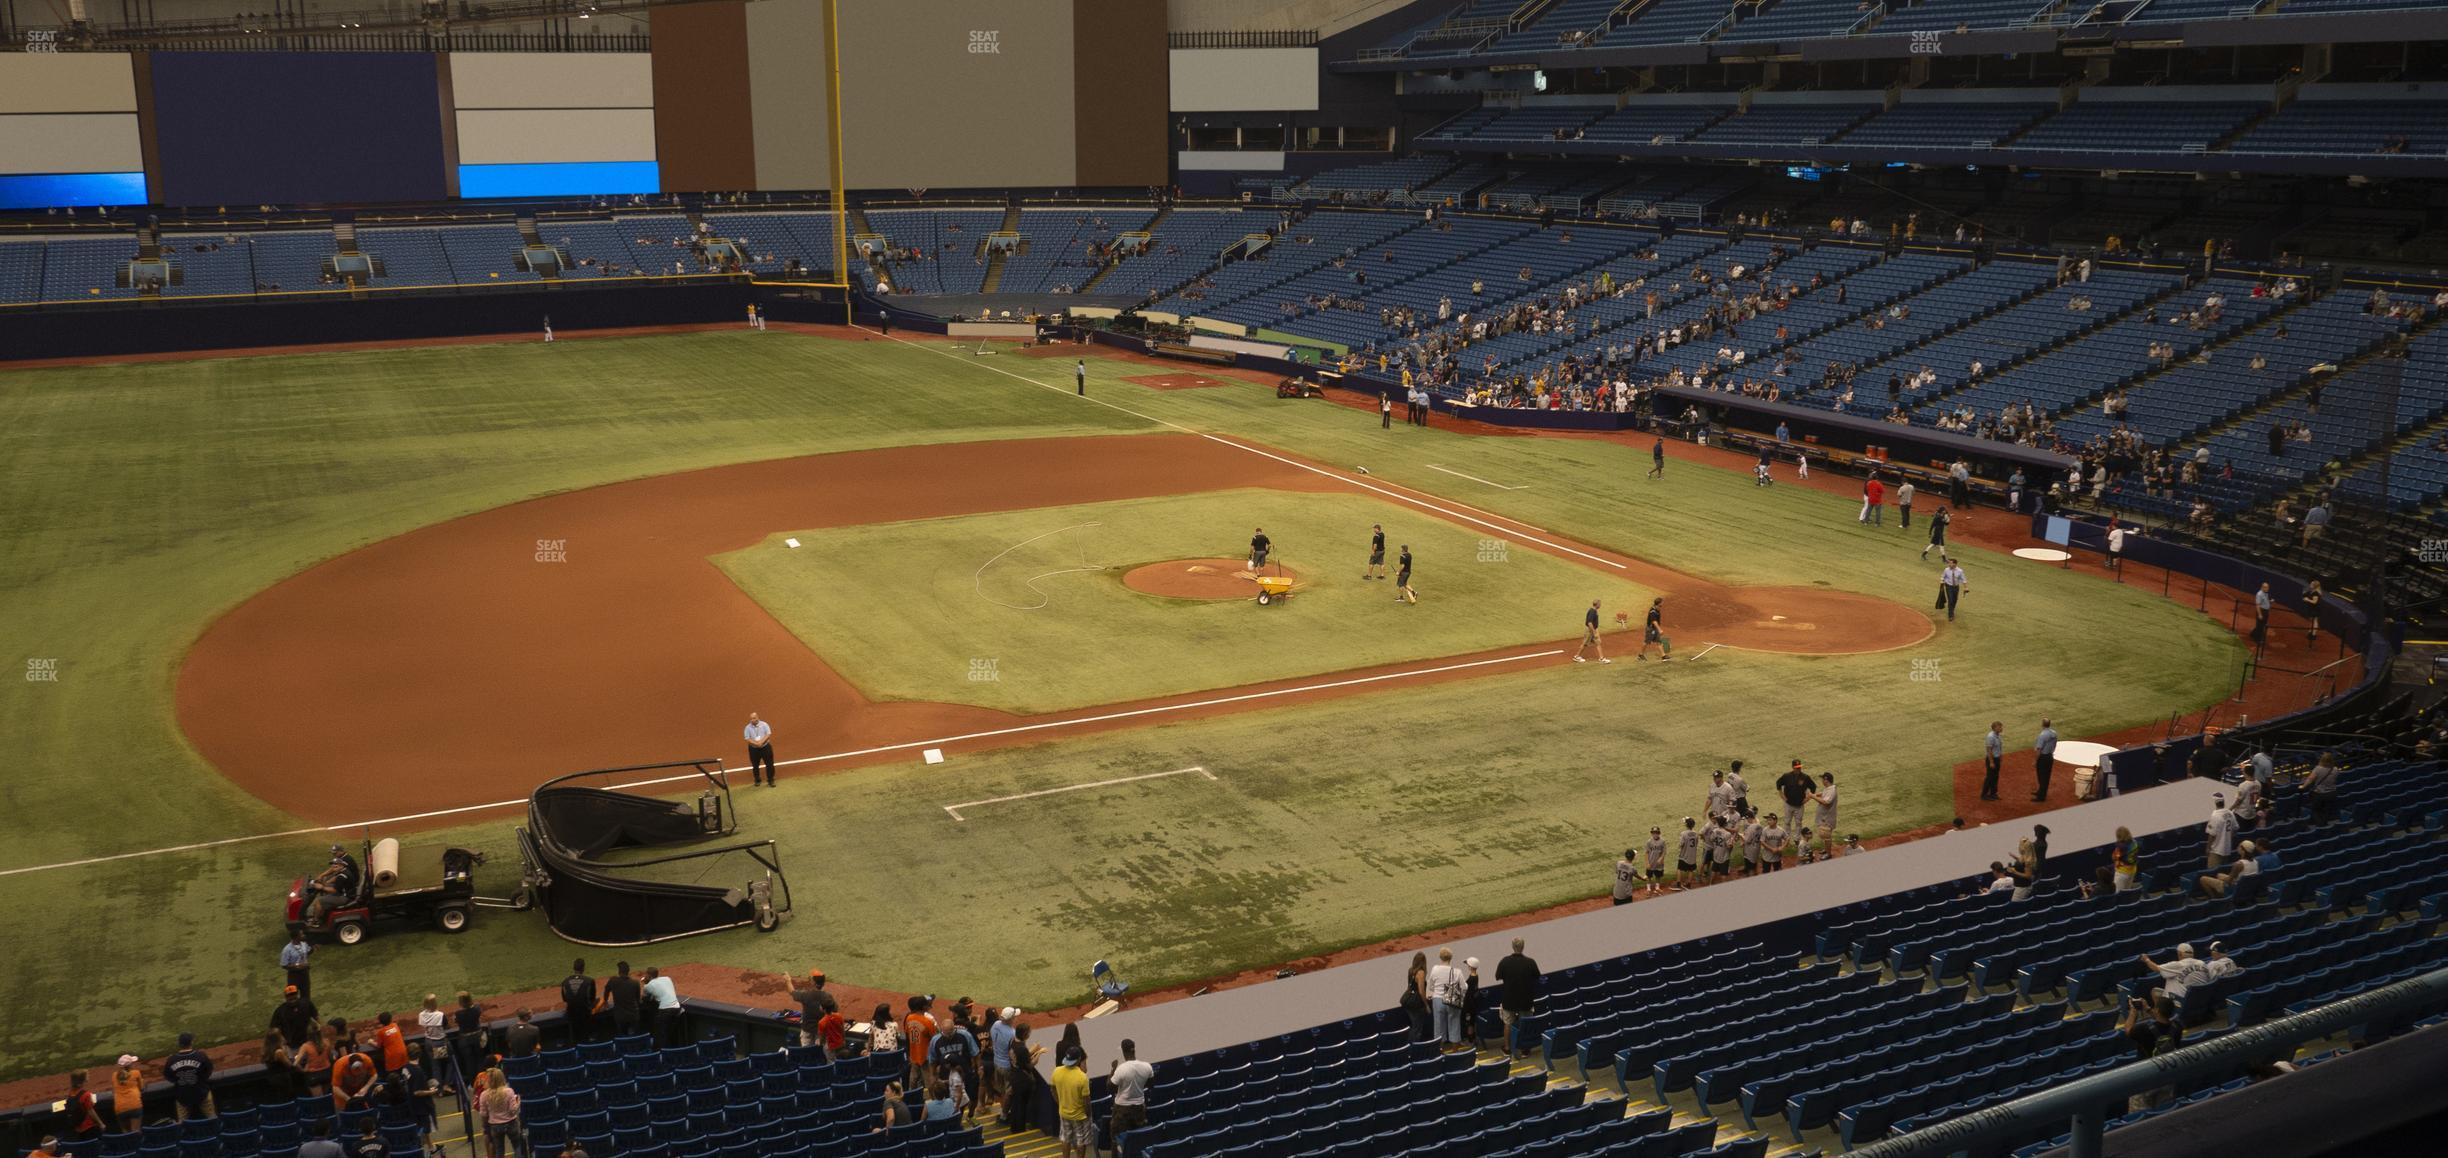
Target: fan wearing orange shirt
x=393, y=1043
x=918, y=1032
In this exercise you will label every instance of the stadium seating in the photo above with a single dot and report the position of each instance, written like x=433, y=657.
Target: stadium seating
x=1925, y=315
x=1314, y=243
x=2349, y=423
x=1181, y=244
x=1563, y=24
x=1669, y=22
x=1641, y=123
x=951, y=244
x=1948, y=15
x=1799, y=19
x=2116, y=354
x=1787, y=124
x=2138, y=126
x=2190, y=396
x=21, y=265
x=484, y=253
x=1940, y=125
x=86, y=269
x=1400, y=175
x=2311, y=127
x=1060, y=245
x=410, y=257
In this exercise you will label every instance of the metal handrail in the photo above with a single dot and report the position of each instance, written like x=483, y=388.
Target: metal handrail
x=2082, y=1100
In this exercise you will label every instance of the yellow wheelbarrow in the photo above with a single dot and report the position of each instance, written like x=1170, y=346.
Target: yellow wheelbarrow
x=1274, y=589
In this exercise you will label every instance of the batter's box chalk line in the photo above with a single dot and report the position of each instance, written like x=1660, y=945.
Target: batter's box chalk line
x=1195, y=769
x=978, y=580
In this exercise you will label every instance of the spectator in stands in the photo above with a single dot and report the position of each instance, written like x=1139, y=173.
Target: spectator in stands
x=295, y=1017
x=84, y=1113
x=189, y=1072
x=1071, y=1107
x=1518, y=977
x=322, y=1144
x=1446, y=983
x=941, y=1106
x=127, y=1093
x=896, y=1107
x=522, y=1038
x=918, y=1036
x=1129, y=1080
x=883, y=1033
x=2222, y=881
x=2175, y=976
x=353, y=1079
x=623, y=997
x=467, y=1034
x=1415, y=998
x=814, y=1003
x=2219, y=833
x=2321, y=784
x=2000, y=880
x=664, y=999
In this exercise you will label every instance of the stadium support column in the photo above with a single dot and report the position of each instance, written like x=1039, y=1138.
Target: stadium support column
x=833, y=141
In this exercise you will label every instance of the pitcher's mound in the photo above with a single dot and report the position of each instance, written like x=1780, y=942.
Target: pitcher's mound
x=1198, y=579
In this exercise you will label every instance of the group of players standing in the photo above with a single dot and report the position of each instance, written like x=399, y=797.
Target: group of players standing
x=1705, y=852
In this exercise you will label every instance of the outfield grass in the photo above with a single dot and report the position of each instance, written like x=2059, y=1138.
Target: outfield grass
x=142, y=500
x=907, y=611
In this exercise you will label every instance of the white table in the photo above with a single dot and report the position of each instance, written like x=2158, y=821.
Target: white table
x=2078, y=754
x=2045, y=555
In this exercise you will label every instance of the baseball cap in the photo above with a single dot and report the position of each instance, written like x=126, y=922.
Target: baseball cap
x=1470, y=962
x=816, y=975
x=2185, y=950
x=127, y=1059
x=290, y=990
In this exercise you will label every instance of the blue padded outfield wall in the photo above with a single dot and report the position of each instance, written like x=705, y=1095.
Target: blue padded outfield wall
x=248, y=128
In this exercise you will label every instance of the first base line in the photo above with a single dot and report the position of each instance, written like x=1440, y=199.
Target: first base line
x=937, y=742
x=954, y=809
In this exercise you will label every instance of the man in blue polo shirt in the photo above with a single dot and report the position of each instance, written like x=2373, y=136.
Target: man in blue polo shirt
x=760, y=751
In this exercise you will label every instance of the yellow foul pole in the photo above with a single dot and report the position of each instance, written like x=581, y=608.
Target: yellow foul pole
x=841, y=203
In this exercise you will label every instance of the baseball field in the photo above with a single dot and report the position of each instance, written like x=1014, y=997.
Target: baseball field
x=260, y=597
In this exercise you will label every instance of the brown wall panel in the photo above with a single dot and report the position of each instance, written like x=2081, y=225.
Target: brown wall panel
x=705, y=137
x=1120, y=92
x=147, y=139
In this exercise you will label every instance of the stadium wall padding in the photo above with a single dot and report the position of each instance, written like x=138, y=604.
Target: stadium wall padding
x=248, y=128
x=958, y=94
x=704, y=136
x=789, y=110
x=1119, y=82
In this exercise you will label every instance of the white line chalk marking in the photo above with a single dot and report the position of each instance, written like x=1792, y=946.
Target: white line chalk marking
x=1477, y=479
x=1704, y=651
x=954, y=809
x=1019, y=729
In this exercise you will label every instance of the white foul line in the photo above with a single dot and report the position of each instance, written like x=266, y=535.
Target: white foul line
x=1706, y=650
x=1346, y=479
x=954, y=809
x=1243, y=697
x=1477, y=479
x=466, y=808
